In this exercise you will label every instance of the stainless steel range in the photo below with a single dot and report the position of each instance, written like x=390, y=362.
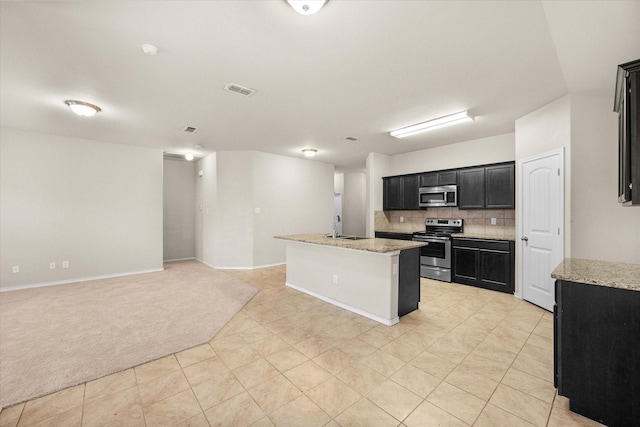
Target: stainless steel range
x=435, y=259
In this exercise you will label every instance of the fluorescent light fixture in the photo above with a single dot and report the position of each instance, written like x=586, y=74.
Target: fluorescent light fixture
x=306, y=7
x=188, y=156
x=309, y=152
x=82, y=108
x=440, y=122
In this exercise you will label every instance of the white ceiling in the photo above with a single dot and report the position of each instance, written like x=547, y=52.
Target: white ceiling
x=356, y=68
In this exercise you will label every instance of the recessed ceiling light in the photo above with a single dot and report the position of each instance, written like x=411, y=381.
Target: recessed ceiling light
x=188, y=156
x=440, y=122
x=150, y=49
x=309, y=152
x=83, y=108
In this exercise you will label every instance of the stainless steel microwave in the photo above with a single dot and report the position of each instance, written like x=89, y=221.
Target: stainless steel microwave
x=433, y=197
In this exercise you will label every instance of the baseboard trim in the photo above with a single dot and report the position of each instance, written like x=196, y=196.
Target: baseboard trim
x=79, y=279
x=255, y=267
x=180, y=259
x=346, y=306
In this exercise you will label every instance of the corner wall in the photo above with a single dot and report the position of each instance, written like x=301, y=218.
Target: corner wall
x=96, y=205
x=245, y=198
x=601, y=228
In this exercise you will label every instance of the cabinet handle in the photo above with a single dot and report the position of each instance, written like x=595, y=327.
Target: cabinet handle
x=525, y=238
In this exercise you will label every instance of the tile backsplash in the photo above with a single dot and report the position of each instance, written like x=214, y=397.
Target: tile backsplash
x=475, y=221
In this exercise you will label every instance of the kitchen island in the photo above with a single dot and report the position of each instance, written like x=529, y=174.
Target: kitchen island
x=376, y=278
x=597, y=339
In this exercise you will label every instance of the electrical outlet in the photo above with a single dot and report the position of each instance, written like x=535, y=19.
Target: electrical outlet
x=52, y=265
x=258, y=210
x=65, y=264
x=394, y=269
x=335, y=279
x=16, y=269
x=493, y=221
x=401, y=219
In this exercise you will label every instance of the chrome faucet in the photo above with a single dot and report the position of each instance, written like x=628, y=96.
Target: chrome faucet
x=336, y=220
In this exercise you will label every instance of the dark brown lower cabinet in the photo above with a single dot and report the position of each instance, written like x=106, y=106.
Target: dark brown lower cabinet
x=597, y=351
x=488, y=264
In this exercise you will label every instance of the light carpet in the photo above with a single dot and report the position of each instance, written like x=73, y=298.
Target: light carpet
x=59, y=336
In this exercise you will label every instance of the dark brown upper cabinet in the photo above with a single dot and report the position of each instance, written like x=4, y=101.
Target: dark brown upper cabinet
x=487, y=187
x=627, y=103
x=433, y=179
x=400, y=193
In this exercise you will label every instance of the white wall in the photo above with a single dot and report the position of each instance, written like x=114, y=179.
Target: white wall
x=97, y=205
x=179, y=203
x=377, y=167
x=206, y=195
x=494, y=149
x=541, y=131
x=233, y=245
x=600, y=227
x=293, y=196
x=353, y=204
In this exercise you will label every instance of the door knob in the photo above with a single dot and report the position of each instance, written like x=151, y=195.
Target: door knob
x=525, y=238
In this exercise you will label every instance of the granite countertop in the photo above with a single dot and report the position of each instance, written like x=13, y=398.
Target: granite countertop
x=601, y=273
x=366, y=244
x=485, y=236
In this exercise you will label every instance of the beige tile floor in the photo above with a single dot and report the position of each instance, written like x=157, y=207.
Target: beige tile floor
x=467, y=357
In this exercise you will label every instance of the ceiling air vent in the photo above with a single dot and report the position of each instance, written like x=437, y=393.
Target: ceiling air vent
x=244, y=91
x=190, y=129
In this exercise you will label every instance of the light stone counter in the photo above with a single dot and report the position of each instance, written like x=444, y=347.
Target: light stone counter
x=601, y=273
x=382, y=246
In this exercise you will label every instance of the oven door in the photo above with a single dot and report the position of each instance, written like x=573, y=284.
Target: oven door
x=436, y=254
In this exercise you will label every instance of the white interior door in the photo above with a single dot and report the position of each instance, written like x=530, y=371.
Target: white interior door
x=337, y=215
x=542, y=219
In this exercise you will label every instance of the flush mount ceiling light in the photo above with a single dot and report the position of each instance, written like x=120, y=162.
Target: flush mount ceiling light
x=188, y=156
x=149, y=49
x=82, y=108
x=440, y=122
x=306, y=7
x=309, y=152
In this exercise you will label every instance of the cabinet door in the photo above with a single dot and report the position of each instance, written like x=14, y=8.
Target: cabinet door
x=392, y=193
x=448, y=178
x=465, y=265
x=495, y=268
x=410, y=194
x=429, y=179
x=500, y=187
x=471, y=188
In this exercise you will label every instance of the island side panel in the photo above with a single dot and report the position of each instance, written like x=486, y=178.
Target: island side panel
x=366, y=280
x=409, y=281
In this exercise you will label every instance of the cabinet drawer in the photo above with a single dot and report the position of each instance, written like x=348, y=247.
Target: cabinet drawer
x=495, y=245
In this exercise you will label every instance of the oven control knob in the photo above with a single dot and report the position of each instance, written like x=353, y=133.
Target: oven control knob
x=525, y=238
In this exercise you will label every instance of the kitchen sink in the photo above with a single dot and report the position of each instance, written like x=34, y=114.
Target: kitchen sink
x=345, y=237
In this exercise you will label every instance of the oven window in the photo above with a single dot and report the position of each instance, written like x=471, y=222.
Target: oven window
x=434, y=250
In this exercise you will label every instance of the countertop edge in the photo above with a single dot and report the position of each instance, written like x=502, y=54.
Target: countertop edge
x=600, y=273
x=371, y=244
